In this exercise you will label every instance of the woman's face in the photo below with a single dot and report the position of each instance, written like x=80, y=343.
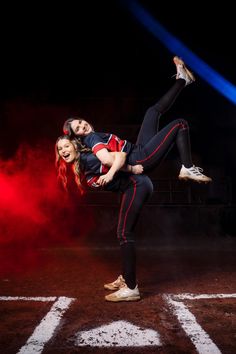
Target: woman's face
x=80, y=127
x=66, y=150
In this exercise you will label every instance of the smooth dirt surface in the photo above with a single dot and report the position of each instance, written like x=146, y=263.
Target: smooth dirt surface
x=91, y=325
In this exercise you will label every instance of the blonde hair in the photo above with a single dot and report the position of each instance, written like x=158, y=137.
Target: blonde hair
x=61, y=165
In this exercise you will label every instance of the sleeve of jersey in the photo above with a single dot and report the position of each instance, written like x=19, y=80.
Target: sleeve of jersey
x=92, y=182
x=96, y=143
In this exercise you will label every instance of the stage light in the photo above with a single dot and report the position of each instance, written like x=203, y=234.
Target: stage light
x=175, y=46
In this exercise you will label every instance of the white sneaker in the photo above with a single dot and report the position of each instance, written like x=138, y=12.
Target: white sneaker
x=183, y=72
x=124, y=294
x=115, y=285
x=194, y=173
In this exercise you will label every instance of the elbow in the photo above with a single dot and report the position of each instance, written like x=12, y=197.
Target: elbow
x=123, y=157
x=107, y=161
x=105, y=157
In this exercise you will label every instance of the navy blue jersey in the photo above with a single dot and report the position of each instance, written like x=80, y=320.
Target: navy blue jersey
x=97, y=141
x=91, y=164
x=92, y=169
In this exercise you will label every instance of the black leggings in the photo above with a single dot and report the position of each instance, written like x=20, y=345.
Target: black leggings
x=152, y=144
x=150, y=147
x=136, y=190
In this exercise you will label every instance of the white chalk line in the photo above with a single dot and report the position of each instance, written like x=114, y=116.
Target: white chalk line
x=46, y=328
x=24, y=298
x=188, y=296
x=44, y=331
x=196, y=333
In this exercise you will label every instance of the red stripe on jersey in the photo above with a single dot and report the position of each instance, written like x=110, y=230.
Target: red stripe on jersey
x=98, y=147
x=104, y=169
x=92, y=182
x=114, y=144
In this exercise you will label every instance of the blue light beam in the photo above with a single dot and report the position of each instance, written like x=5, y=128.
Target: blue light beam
x=178, y=48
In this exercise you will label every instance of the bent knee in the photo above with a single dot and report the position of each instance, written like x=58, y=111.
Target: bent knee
x=155, y=109
x=124, y=237
x=183, y=124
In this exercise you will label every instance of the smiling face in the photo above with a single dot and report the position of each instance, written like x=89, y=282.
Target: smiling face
x=80, y=127
x=66, y=150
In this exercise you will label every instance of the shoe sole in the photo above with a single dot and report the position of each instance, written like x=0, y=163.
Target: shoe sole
x=132, y=298
x=179, y=61
x=192, y=179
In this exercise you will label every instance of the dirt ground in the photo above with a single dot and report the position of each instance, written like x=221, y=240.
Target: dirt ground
x=79, y=274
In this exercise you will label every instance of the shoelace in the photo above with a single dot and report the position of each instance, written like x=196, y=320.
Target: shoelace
x=176, y=75
x=197, y=170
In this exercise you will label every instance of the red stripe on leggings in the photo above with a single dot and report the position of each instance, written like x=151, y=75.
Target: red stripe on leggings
x=166, y=137
x=126, y=214
x=121, y=207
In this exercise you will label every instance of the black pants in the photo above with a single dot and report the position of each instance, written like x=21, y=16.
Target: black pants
x=136, y=190
x=152, y=144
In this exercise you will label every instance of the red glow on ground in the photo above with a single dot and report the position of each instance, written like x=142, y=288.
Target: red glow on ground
x=34, y=211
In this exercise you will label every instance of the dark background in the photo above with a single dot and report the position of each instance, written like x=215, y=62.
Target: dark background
x=94, y=59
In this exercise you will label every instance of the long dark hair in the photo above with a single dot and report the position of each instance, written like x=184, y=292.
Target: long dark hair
x=67, y=130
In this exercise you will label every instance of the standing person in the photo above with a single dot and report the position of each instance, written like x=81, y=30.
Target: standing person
x=135, y=191
x=152, y=144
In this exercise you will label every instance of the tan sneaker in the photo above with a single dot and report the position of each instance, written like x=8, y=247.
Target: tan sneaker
x=183, y=72
x=115, y=285
x=124, y=294
x=193, y=173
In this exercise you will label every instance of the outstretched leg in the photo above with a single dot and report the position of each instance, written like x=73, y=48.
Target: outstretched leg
x=151, y=154
x=150, y=125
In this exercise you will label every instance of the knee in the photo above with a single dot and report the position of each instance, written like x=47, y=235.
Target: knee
x=143, y=185
x=147, y=186
x=155, y=109
x=183, y=123
x=125, y=237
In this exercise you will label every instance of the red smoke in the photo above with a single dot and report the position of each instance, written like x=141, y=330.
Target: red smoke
x=34, y=211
